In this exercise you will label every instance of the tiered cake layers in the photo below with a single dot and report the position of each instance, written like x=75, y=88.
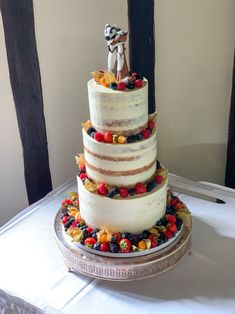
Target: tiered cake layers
x=121, y=164
x=133, y=214
x=117, y=111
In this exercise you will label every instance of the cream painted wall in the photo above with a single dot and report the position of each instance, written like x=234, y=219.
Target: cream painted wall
x=194, y=48
x=194, y=52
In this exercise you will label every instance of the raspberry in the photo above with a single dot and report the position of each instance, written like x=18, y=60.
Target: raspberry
x=102, y=190
x=138, y=83
x=159, y=179
x=171, y=219
x=172, y=228
x=168, y=234
x=146, y=133
x=104, y=247
x=151, y=124
x=173, y=201
x=65, y=219
x=121, y=86
x=123, y=192
x=140, y=188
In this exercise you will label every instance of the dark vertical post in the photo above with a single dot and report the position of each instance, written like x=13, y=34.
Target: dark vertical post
x=18, y=23
x=230, y=166
x=142, y=43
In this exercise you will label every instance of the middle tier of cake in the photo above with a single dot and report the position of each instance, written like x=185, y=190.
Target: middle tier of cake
x=121, y=164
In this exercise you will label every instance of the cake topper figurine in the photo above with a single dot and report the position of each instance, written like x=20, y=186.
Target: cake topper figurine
x=115, y=38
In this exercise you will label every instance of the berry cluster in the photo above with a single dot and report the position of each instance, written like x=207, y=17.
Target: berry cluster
x=105, y=241
x=108, y=137
x=105, y=190
x=135, y=80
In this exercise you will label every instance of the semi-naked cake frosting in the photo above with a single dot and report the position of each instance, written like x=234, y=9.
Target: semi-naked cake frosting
x=123, y=204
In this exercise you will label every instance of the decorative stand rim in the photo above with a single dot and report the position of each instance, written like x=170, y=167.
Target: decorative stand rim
x=79, y=260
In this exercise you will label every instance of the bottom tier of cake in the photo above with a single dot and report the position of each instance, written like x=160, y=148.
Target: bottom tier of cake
x=132, y=214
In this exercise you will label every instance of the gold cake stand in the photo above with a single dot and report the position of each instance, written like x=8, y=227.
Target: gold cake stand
x=80, y=260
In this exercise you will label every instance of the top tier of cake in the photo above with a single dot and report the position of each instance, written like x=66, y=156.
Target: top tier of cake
x=122, y=112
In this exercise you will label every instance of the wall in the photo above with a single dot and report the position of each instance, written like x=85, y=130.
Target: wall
x=194, y=52
x=195, y=46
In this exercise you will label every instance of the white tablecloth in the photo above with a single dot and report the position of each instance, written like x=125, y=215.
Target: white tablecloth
x=32, y=268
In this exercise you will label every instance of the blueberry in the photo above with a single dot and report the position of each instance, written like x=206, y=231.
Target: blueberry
x=139, y=137
x=113, y=247
x=162, y=237
x=113, y=86
x=131, y=191
x=69, y=222
x=112, y=192
x=64, y=211
x=160, y=241
x=82, y=242
x=158, y=223
x=90, y=130
x=92, y=134
x=145, y=234
x=168, y=209
x=179, y=223
x=130, y=85
x=94, y=235
x=97, y=246
x=127, y=235
x=135, y=239
x=151, y=185
x=131, y=139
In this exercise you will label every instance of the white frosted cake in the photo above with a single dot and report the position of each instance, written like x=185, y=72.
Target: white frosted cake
x=123, y=203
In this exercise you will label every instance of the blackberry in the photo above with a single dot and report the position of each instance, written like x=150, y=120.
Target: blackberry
x=139, y=137
x=113, y=247
x=135, y=240
x=160, y=241
x=130, y=85
x=168, y=209
x=112, y=192
x=164, y=221
x=151, y=185
x=97, y=246
x=90, y=130
x=131, y=139
x=145, y=234
x=131, y=191
x=158, y=223
x=179, y=223
x=158, y=165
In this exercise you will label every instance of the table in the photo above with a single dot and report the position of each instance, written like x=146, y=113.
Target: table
x=32, y=268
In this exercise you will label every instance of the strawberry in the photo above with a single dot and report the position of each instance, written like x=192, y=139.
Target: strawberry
x=146, y=133
x=99, y=137
x=83, y=176
x=173, y=201
x=125, y=245
x=90, y=242
x=159, y=179
x=171, y=219
x=66, y=202
x=102, y=189
x=65, y=219
x=172, y=228
x=104, y=247
x=108, y=138
x=89, y=230
x=140, y=188
x=168, y=234
x=123, y=192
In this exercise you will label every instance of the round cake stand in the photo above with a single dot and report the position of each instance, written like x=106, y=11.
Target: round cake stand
x=80, y=260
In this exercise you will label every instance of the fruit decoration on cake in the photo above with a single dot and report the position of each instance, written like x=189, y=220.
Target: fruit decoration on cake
x=123, y=203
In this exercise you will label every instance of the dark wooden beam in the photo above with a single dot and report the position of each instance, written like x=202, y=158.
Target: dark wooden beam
x=230, y=166
x=142, y=43
x=18, y=23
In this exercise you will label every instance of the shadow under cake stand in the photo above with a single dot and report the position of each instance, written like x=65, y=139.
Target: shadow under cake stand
x=134, y=266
